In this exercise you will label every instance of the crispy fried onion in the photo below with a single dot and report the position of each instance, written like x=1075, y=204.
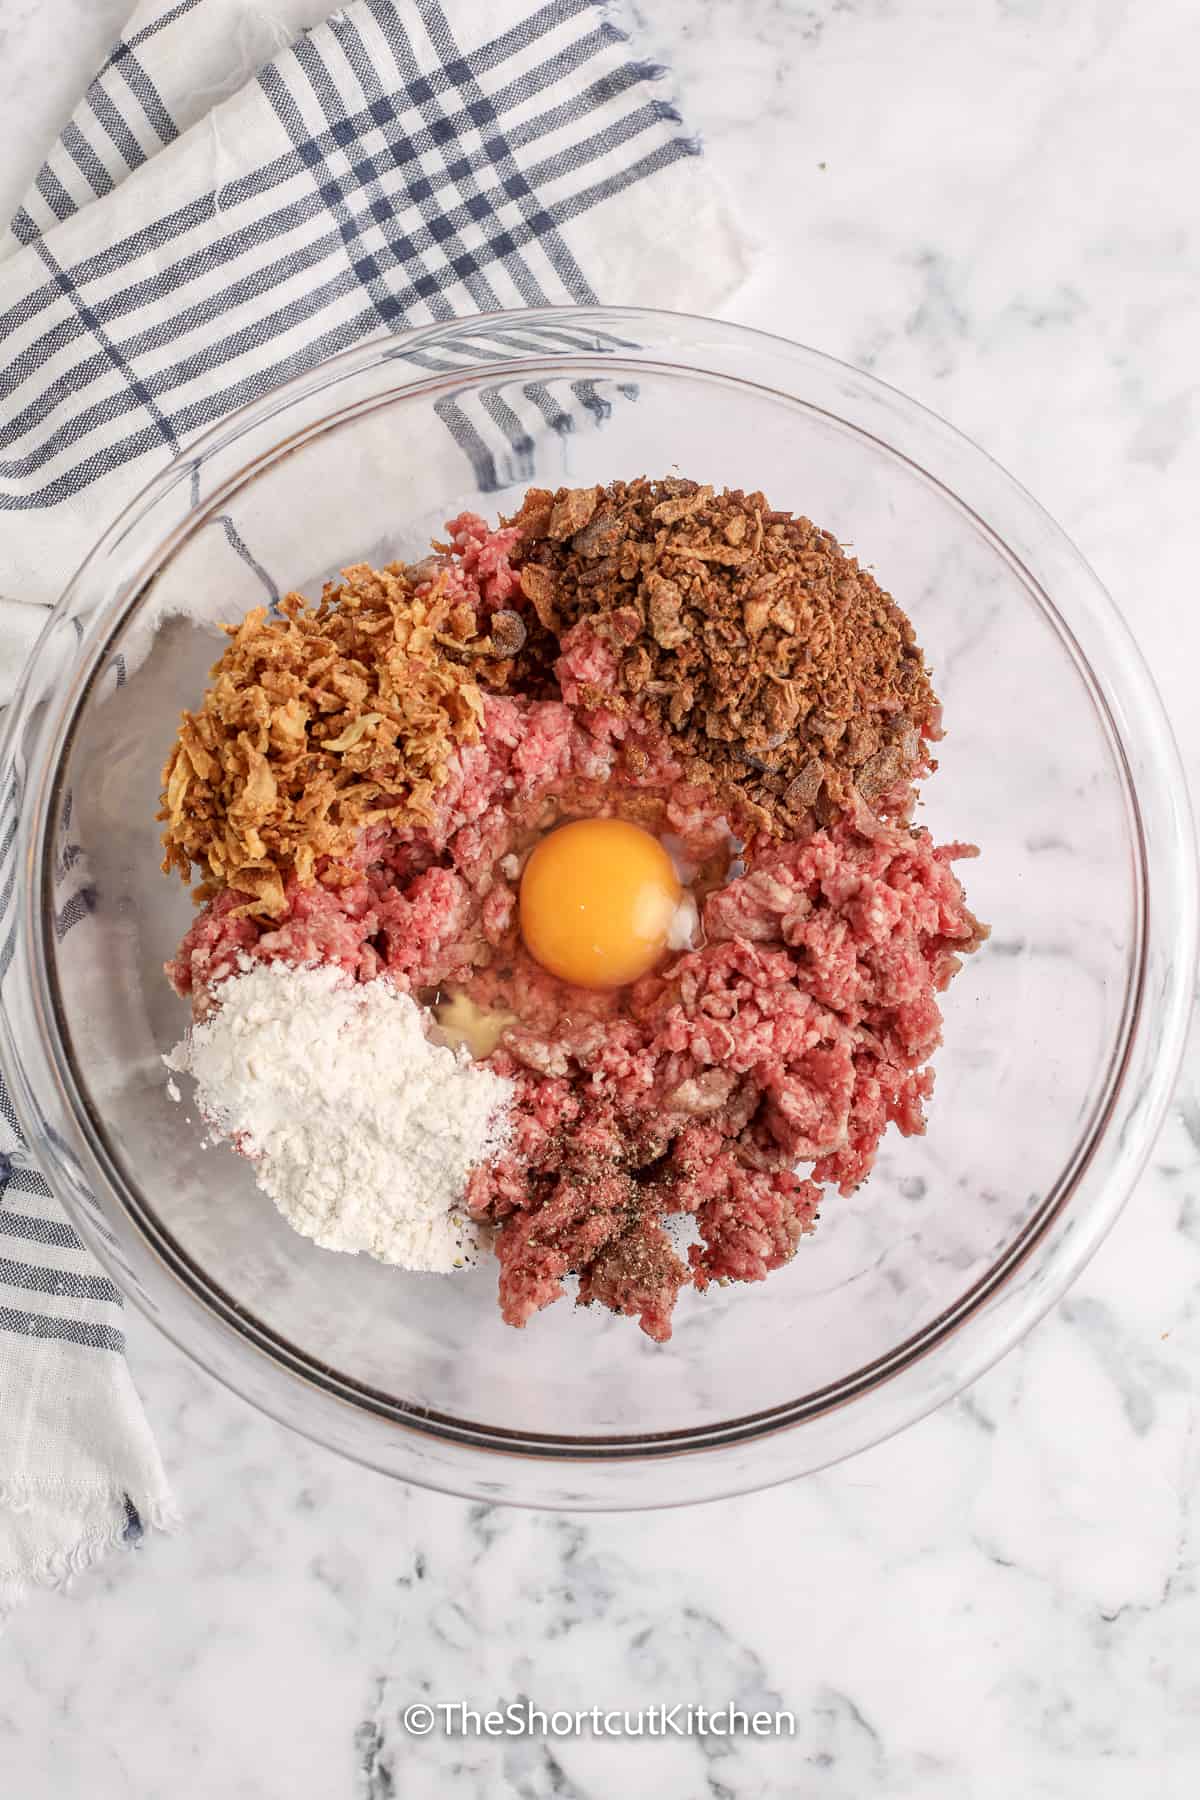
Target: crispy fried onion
x=318, y=722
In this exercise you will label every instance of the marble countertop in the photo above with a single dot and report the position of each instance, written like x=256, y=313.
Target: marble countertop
x=991, y=204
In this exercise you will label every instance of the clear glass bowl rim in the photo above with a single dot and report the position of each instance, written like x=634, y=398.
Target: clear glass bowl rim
x=150, y=1267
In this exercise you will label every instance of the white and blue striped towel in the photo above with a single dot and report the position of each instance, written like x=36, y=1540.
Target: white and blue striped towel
x=241, y=193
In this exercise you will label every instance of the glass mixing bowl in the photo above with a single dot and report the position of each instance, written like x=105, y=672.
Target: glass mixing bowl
x=1062, y=1035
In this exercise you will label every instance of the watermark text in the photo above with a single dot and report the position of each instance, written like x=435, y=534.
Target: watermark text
x=522, y=1718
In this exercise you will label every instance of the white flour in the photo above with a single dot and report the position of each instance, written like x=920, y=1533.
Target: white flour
x=360, y=1129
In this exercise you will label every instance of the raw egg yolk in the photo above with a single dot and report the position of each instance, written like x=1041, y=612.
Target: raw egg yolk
x=597, y=901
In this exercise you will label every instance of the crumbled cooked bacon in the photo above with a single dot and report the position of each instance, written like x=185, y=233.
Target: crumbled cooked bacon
x=778, y=665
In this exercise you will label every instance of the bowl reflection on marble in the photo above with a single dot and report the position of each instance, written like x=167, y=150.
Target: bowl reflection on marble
x=1062, y=1035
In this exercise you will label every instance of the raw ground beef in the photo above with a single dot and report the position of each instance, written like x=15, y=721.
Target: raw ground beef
x=794, y=1034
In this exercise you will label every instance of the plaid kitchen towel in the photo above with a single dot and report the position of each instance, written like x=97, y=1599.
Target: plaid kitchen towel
x=243, y=191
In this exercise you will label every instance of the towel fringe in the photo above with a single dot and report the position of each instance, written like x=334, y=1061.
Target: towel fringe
x=58, y=1568
x=646, y=70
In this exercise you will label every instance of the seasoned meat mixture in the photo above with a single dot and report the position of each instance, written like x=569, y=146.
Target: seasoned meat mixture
x=704, y=667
